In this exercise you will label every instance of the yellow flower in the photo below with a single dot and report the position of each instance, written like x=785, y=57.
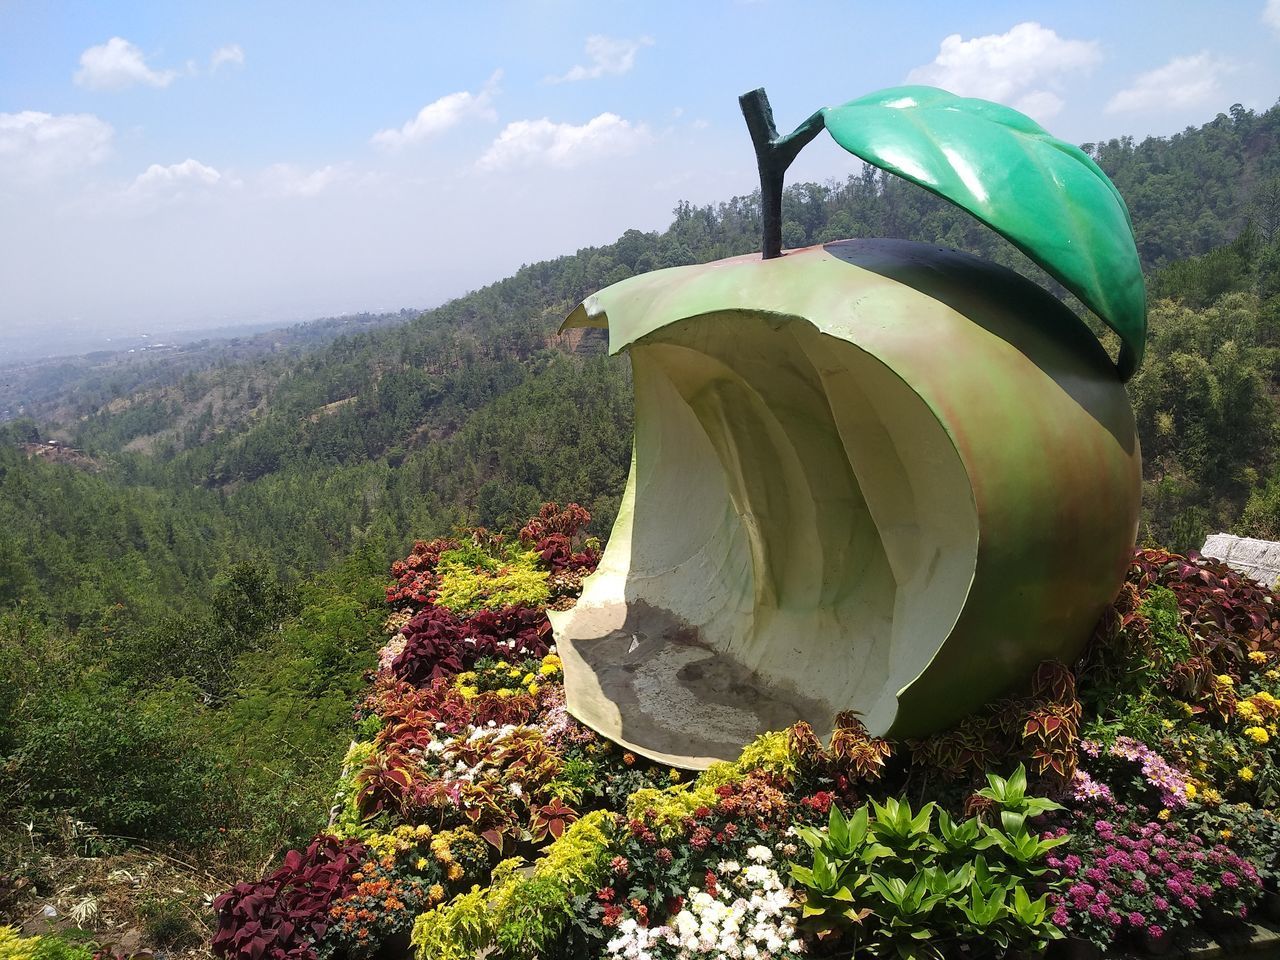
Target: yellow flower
x=1257, y=735
x=506, y=693
x=1168, y=724
x=1257, y=656
x=420, y=863
x=469, y=693
x=1191, y=791
x=528, y=678
x=436, y=893
x=1226, y=680
x=1225, y=834
x=1211, y=796
x=1246, y=774
x=455, y=872
x=1162, y=815
x=533, y=689
x=1272, y=674
x=674, y=776
x=1247, y=709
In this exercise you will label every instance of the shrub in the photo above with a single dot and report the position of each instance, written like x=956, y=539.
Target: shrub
x=438, y=644
x=131, y=766
x=516, y=582
x=893, y=883
x=283, y=915
x=1145, y=878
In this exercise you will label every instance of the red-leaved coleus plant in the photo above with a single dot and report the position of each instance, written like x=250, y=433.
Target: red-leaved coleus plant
x=552, y=533
x=416, y=574
x=283, y=915
x=1224, y=616
x=440, y=644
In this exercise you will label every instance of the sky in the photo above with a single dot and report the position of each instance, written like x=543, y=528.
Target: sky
x=176, y=165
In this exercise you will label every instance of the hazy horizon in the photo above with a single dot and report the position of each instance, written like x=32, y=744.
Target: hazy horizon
x=164, y=169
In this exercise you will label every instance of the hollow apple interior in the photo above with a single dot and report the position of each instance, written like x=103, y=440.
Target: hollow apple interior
x=797, y=538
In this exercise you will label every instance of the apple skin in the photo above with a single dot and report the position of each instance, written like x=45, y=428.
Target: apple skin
x=872, y=475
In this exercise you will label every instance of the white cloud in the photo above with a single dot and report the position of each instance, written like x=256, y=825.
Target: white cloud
x=232, y=53
x=1041, y=104
x=287, y=180
x=563, y=145
x=608, y=56
x=117, y=64
x=1271, y=14
x=36, y=146
x=1023, y=67
x=187, y=180
x=1182, y=82
x=439, y=115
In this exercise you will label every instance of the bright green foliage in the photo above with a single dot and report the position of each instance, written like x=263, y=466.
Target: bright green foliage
x=14, y=946
x=349, y=822
x=900, y=886
x=467, y=585
x=769, y=752
x=1011, y=795
x=521, y=915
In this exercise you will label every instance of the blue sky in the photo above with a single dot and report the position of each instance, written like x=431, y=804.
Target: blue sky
x=172, y=164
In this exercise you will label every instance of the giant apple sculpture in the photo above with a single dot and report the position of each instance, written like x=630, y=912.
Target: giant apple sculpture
x=872, y=475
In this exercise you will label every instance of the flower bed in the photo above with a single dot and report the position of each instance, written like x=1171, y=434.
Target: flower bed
x=1121, y=800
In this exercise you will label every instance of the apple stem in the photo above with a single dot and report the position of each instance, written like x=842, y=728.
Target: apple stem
x=773, y=155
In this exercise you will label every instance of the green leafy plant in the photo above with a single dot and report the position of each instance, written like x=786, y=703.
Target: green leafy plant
x=890, y=880
x=1010, y=795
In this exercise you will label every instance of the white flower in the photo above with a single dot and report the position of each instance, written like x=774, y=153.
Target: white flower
x=515, y=789
x=760, y=854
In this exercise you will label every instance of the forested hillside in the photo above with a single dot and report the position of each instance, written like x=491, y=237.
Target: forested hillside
x=208, y=565
x=389, y=431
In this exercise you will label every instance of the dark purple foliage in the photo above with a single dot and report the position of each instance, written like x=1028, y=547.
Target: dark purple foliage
x=439, y=644
x=282, y=916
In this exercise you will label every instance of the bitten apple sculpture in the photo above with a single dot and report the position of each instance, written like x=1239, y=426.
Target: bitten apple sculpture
x=874, y=475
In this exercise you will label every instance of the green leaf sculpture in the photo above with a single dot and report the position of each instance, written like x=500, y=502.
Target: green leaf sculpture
x=1043, y=194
